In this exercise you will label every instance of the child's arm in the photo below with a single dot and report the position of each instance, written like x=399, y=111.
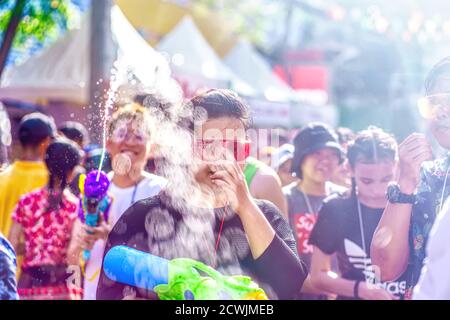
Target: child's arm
x=323, y=279
x=75, y=245
x=15, y=236
x=82, y=240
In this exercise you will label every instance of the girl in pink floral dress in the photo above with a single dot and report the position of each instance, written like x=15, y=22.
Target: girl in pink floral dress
x=44, y=218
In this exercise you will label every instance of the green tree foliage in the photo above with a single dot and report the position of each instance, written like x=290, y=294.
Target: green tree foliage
x=42, y=21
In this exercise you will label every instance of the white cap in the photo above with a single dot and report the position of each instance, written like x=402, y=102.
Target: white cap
x=283, y=154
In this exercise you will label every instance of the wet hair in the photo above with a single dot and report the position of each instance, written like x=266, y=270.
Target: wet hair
x=75, y=131
x=220, y=103
x=370, y=146
x=61, y=157
x=131, y=112
x=156, y=104
x=440, y=70
x=151, y=100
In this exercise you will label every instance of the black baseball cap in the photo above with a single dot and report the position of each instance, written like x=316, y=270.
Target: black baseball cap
x=75, y=131
x=314, y=137
x=35, y=128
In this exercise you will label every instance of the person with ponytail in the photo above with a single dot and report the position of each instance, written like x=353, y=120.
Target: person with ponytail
x=347, y=222
x=44, y=218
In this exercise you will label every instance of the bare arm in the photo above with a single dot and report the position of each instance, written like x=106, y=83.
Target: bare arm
x=390, y=244
x=74, y=249
x=267, y=185
x=309, y=287
x=81, y=239
x=324, y=279
x=15, y=237
x=258, y=230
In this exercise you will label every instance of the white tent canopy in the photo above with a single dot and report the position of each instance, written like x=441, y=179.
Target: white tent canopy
x=248, y=64
x=62, y=71
x=194, y=61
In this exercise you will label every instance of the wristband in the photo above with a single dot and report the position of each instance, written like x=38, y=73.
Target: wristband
x=356, y=289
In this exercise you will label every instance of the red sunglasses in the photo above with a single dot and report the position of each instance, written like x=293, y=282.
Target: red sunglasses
x=211, y=149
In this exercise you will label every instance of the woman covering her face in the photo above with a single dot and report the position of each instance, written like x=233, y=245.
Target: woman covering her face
x=206, y=212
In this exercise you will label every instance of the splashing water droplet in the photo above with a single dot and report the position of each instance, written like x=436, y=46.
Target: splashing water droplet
x=116, y=78
x=121, y=164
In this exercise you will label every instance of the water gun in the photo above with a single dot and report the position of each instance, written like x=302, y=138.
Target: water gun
x=94, y=200
x=177, y=279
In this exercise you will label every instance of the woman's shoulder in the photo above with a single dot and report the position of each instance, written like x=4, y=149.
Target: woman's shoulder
x=140, y=208
x=70, y=197
x=33, y=196
x=339, y=198
x=335, y=205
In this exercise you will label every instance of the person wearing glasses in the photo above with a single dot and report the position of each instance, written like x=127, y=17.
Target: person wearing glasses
x=417, y=195
x=206, y=212
x=128, y=142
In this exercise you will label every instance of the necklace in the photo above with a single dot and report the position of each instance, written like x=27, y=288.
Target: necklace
x=133, y=196
x=363, y=238
x=222, y=220
x=368, y=267
x=308, y=203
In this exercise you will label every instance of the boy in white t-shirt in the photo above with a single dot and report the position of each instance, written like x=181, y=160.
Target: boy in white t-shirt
x=129, y=146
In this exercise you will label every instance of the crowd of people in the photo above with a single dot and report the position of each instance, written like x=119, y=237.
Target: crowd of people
x=331, y=214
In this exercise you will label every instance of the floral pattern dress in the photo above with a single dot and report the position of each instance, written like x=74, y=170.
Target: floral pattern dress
x=47, y=236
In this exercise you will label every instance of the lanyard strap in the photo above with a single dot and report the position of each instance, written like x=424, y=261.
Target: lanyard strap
x=363, y=238
x=133, y=196
x=308, y=203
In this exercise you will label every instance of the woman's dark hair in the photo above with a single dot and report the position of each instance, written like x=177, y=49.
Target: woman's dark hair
x=370, y=146
x=440, y=70
x=220, y=103
x=61, y=157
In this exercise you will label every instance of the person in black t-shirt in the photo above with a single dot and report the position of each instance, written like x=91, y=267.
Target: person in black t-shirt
x=346, y=223
x=206, y=212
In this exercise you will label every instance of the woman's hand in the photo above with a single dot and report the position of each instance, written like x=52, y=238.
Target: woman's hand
x=87, y=236
x=414, y=150
x=229, y=177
